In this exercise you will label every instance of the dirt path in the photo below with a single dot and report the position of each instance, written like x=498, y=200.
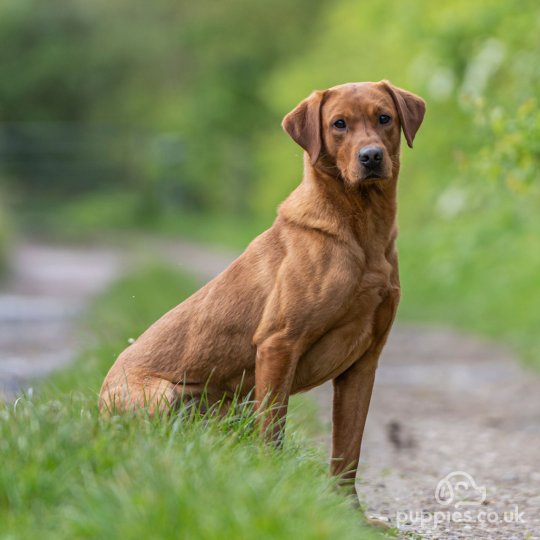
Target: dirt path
x=47, y=290
x=443, y=402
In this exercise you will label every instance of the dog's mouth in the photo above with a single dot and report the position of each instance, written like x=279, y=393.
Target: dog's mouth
x=362, y=176
x=372, y=177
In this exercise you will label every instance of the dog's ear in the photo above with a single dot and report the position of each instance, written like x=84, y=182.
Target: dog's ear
x=411, y=110
x=303, y=124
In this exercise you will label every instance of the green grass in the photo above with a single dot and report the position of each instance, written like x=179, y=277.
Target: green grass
x=68, y=473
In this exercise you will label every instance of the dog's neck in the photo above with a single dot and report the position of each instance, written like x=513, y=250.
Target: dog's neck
x=362, y=215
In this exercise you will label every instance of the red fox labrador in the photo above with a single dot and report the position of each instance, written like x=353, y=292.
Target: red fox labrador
x=312, y=298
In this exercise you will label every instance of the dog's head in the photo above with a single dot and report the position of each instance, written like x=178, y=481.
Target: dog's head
x=353, y=130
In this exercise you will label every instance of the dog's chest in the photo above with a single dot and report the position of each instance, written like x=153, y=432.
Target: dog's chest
x=352, y=335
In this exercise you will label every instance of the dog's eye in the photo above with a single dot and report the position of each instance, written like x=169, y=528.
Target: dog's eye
x=384, y=119
x=340, y=123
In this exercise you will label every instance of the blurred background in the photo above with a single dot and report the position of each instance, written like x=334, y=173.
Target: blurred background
x=125, y=118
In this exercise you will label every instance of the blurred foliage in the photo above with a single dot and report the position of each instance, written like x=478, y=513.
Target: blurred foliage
x=173, y=113
x=159, y=98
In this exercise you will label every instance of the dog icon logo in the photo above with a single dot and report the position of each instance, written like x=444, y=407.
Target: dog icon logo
x=460, y=489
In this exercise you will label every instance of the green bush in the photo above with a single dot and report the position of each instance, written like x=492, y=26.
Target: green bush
x=159, y=99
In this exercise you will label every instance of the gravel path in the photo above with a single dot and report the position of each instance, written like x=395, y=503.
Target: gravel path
x=447, y=403
x=443, y=402
x=47, y=290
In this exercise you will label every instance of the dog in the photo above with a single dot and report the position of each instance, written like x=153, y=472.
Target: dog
x=310, y=300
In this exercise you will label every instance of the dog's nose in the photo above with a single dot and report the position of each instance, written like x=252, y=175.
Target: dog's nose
x=371, y=156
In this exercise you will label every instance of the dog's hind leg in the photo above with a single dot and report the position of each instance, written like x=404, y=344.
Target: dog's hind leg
x=153, y=394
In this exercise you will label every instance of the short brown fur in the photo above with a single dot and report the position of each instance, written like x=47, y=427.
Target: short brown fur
x=311, y=299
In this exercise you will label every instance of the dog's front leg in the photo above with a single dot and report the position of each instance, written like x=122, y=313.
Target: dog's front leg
x=274, y=374
x=352, y=394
